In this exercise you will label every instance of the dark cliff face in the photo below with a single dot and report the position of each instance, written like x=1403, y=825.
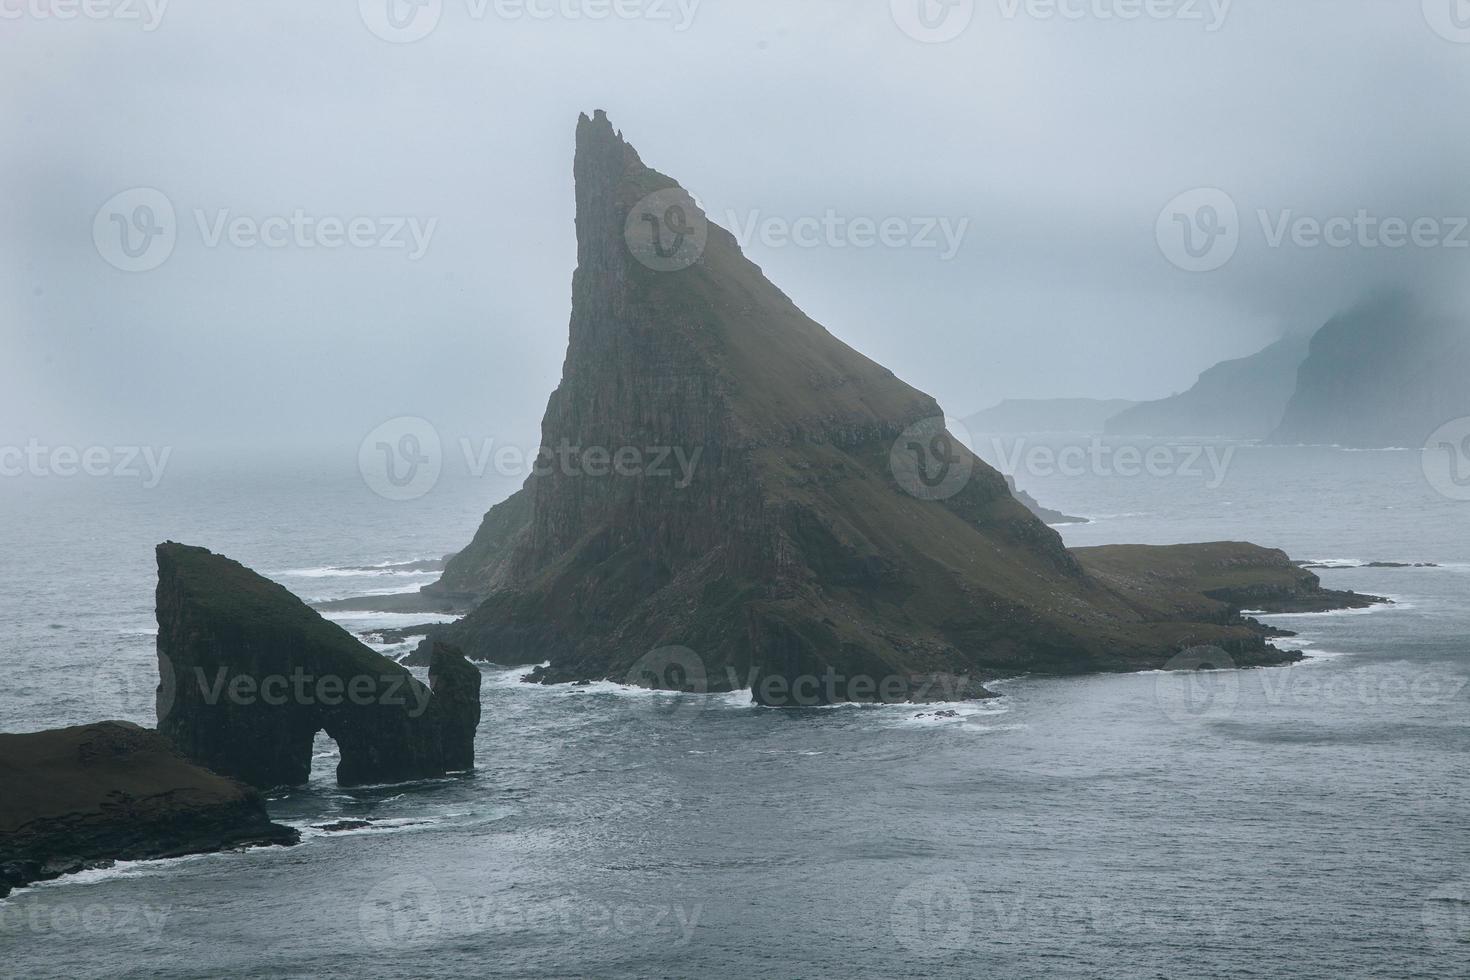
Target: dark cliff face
x=76, y=797
x=808, y=537
x=455, y=683
x=1386, y=374
x=250, y=674
x=1046, y=514
x=1239, y=399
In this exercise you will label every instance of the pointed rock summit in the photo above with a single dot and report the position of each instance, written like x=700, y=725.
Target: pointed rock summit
x=729, y=496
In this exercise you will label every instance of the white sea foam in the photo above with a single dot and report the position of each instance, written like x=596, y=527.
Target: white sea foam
x=166, y=866
x=1348, y=449
x=132, y=869
x=379, y=826
x=510, y=678
x=368, y=621
x=1390, y=564
x=1318, y=656
x=957, y=715
x=1395, y=604
x=994, y=729
x=360, y=571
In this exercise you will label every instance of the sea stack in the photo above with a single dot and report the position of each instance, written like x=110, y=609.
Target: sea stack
x=249, y=675
x=770, y=502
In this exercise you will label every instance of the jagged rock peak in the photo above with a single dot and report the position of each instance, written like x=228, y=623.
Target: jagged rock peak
x=828, y=529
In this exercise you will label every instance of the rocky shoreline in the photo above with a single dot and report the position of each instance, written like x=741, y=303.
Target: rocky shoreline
x=85, y=797
x=248, y=675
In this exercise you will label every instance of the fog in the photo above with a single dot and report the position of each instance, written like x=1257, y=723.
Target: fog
x=1054, y=141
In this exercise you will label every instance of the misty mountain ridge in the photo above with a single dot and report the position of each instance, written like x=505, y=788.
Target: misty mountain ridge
x=1385, y=374
x=1242, y=398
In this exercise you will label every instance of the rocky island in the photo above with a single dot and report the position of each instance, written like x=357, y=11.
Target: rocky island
x=833, y=527
x=249, y=674
x=84, y=797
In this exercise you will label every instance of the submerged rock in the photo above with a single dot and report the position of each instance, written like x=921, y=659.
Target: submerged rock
x=399, y=634
x=828, y=539
x=83, y=797
x=250, y=674
x=338, y=826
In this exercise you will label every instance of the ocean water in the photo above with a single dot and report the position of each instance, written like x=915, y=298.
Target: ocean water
x=1307, y=821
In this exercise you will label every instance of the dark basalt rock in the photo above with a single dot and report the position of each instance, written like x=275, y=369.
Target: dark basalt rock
x=456, y=686
x=338, y=826
x=399, y=634
x=83, y=797
x=802, y=557
x=1231, y=575
x=250, y=674
x=1046, y=514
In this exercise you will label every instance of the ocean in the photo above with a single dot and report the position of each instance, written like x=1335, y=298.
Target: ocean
x=1306, y=821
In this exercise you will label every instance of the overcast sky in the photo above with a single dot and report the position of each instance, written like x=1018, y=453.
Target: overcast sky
x=1055, y=143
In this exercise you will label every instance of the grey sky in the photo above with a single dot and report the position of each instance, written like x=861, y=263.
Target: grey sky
x=1059, y=140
